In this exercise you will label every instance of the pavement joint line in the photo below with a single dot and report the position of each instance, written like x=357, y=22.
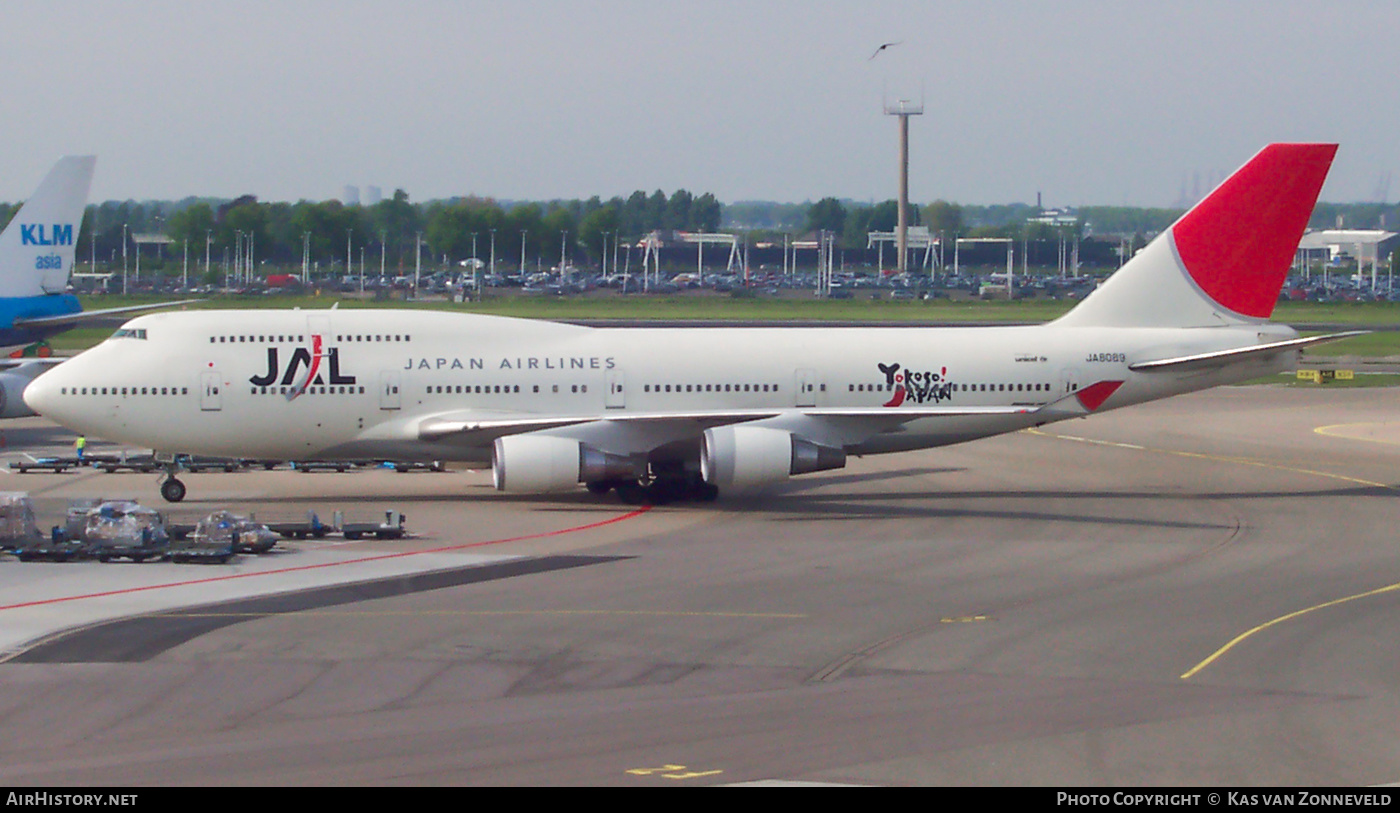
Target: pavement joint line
x=1243, y=461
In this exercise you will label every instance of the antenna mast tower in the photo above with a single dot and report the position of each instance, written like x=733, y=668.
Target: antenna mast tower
x=903, y=109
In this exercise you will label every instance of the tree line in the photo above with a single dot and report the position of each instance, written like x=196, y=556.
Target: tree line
x=580, y=230
x=329, y=231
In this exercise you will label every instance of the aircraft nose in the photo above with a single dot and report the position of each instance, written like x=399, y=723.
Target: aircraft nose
x=42, y=393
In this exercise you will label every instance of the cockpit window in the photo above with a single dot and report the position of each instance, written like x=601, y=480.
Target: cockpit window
x=130, y=333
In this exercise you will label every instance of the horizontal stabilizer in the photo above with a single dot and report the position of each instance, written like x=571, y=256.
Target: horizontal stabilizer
x=1220, y=358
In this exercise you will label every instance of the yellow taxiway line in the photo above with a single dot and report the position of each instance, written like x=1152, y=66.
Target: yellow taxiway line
x=1328, y=431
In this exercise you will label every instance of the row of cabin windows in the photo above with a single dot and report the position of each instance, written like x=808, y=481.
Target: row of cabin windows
x=264, y=339
x=1003, y=387
x=124, y=390
x=709, y=388
x=488, y=389
x=480, y=389
x=317, y=390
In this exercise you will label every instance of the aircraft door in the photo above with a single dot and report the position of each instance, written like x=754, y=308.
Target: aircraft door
x=389, y=397
x=615, y=396
x=807, y=385
x=1069, y=381
x=210, y=399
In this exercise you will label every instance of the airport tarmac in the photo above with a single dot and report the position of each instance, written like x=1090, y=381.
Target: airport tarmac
x=1199, y=591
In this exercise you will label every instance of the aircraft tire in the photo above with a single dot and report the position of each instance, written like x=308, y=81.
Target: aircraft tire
x=172, y=490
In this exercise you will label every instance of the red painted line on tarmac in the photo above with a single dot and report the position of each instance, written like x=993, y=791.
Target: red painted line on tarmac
x=376, y=558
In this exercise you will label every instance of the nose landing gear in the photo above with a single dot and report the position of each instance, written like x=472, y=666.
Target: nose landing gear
x=171, y=488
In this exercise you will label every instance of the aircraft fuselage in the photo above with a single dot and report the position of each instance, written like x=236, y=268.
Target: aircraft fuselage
x=370, y=384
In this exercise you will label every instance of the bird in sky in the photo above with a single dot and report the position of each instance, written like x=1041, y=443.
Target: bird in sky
x=883, y=47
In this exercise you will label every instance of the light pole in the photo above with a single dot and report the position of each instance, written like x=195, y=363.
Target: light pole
x=475, y=262
x=563, y=241
x=350, y=259
x=417, y=262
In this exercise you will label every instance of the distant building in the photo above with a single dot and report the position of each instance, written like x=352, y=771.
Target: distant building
x=351, y=196
x=1066, y=217
x=373, y=195
x=1337, y=245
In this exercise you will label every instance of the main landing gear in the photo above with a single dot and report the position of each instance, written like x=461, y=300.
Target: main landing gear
x=659, y=490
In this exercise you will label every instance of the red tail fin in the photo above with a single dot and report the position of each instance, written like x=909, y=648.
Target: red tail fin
x=1238, y=243
x=1224, y=261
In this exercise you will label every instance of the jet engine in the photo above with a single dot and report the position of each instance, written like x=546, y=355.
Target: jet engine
x=524, y=464
x=12, y=403
x=745, y=458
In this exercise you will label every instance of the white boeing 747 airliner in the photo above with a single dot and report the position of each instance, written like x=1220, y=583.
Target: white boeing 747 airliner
x=669, y=413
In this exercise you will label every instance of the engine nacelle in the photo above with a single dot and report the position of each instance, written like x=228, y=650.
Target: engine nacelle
x=745, y=458
x=12, y=403
x=525, y=464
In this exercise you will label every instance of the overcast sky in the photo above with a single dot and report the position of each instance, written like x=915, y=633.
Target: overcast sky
x=1085, y=102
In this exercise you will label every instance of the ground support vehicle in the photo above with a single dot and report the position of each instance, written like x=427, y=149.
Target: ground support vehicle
x=301, y=529
x=193, y=549
x=122, y=529
x=143, y=463
x=308, y=466
x=391, y=528
x=402, y=466
x=57, y=465
x=241, y=534
x=18, y=528
x=197, y=464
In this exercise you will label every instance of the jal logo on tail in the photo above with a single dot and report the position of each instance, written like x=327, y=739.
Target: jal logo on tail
x=33, y=234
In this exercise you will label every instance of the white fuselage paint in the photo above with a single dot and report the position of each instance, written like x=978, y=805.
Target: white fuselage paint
x=198, y=382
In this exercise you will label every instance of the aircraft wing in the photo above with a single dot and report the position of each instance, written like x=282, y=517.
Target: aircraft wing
x=84, y=316
x=1220, y=358
x=482, y=427
x=29, y=367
